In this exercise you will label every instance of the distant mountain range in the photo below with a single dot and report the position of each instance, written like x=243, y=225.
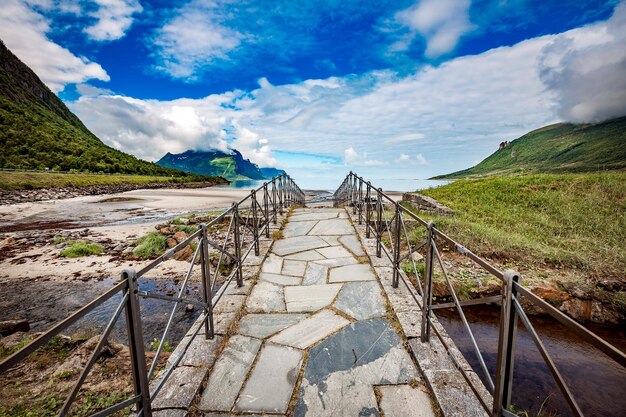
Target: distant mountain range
x=37, y=131
x=557, y=148
x=231, y=166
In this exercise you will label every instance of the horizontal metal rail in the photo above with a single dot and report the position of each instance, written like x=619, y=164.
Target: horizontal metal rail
x=387, y=220
x=249, y=219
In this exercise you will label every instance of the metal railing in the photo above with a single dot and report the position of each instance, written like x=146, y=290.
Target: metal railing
x=248, y=220
x=400, y=233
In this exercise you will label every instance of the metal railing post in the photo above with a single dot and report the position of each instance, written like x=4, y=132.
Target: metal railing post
x=255, y=223
x=506, y=345
x=281, y=186
x=266, y=203
x=360, y=201
x=396, y=248
x=274, y=200
x=379, y=222
x=354, y=194
x=427, y=296
x=368, y=209
x=207, y=296
x=135, y=344
x=236, y=236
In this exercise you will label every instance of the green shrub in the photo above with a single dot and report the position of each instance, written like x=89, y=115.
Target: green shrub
x=150, y=244
x=81, y=248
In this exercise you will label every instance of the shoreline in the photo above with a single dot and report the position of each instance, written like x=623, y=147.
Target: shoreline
x=17, y=196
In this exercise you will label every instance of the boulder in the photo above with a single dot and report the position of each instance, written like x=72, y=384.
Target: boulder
x=184, y=254
x=171, y=242
x=180, y=236
x=9, y=327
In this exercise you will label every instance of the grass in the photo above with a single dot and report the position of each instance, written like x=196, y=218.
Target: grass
x=36, y=180
x=558, y=148
x=573, y=221
x=150, y=244
x=77, y=249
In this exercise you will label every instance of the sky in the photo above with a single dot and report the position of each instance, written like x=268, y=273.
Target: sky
x=388, y=89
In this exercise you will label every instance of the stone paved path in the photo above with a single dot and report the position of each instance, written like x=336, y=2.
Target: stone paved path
x=316, y=338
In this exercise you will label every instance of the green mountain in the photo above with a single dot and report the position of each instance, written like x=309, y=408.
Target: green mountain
x=37, y=131
x=213, y=162
x=562, y=147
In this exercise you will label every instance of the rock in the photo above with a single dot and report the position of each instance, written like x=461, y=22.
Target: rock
x=118, y=248
x=9, y=342
x=425, y=203
x=417, y=257
x=184, y=220
x=551, y=294
x=607, y=284
x=189, y=308
x=165, y=231
x=180, y=236
x=184, y=254
x=6, y=242
x=128, y=251
x=13, y=326
x=588, y=310
x=171, y=242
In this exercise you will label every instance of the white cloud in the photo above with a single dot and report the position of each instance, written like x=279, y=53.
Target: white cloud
x=193, y=39
x=253, y=147
x=440, y=22
x=356, y=159
x=588, y=73
x=455, y=113
x=114, y=17
x=23, y=31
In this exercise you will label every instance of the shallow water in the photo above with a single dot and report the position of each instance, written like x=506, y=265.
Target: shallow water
x=597, y=382
x=44, y=303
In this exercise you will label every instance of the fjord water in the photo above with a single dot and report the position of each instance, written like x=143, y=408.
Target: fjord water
x=331, y=184
x=597, y=382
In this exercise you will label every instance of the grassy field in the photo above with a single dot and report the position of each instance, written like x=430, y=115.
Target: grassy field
x=573, y=221
x=34, y=180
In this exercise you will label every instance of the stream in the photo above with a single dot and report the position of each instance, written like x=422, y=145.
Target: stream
x=597, y=382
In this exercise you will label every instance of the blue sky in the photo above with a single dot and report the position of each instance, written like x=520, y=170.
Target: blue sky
x=408, y=88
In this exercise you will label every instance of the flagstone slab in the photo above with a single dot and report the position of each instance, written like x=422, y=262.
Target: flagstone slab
x=311, y=330
x=180, y=388
x=273, y=264
x=358, y=272
x=353, y=244
x=398, y=400
x=331, y=263
x=229, y=374
x=332, y=240
x=341, y=370
x=280, y=279
x=266, y=297
x=293, y=267
x=315, y=274
x=229, y=303
x=310, y=297
x=271, y=383
x=265, y=325
x=201, y=352
x=335, y=252
x=332, y=227
x=361, y=300
x=298, y=228
x=310, y=255
x=297, y=244
x=314, y=215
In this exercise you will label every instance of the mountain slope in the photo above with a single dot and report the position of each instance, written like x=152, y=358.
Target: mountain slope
x=557, y=148
x=214, y=162
x=37, y=131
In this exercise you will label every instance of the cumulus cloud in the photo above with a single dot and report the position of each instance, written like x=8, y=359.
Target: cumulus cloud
x=356, y=159
x=253, y=147
x=588, y=73
x=192, y=39
x=114, y=17
x=419, y=158
x=440, y=22
x=23, y=31
x=406, y=159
